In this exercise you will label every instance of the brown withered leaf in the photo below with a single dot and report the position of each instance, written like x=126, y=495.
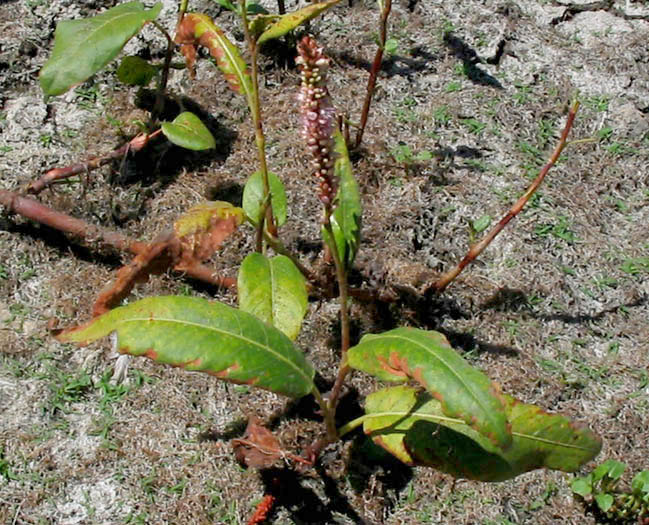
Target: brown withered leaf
x=154, y=259
x=196, y=236
x=259, y=447
x=186, y=39
x=202, y=230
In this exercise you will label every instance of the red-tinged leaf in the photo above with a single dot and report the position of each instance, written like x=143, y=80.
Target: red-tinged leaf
x=199, y=29
x=413, y=426
x=290, y=21
x=210, y=337
x=202, y=230
x=427, y=357
x=197, y=235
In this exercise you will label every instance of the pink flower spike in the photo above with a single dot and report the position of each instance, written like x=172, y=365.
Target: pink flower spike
x=318, y=113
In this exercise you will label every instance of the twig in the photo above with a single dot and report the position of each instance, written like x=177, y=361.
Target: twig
x=57, y=174
x=446, y=279
x=601, y=5
x=34, y=210
x=376, y=66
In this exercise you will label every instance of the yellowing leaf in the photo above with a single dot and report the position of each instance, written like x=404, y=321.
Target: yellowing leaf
x=427, y=357
x=413, y=426
x=290, y=21
x=202, y=230
x=205, y=336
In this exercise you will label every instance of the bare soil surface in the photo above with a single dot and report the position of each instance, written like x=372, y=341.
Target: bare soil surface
x=467, y=109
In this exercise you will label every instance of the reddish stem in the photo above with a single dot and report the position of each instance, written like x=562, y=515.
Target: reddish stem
x=374, y=72
x=57, y=174
x=477, y=249
x=34, y=210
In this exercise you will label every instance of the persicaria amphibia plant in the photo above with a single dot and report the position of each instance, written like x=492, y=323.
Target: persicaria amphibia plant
x=445, y=414
x=318, y=115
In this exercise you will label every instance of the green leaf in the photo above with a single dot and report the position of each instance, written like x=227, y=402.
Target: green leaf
x=640, y=483
x=252, y=8
x=604, y=501
x=616, y=469
x=253, y=197
x=83, y=47
x=187, y=131
x=226, y=4
x=200, y=29
x=255, y=8
x=610, y=468
x=210, y=337
x=582, y=486
x=346, y=218
x=290, y=21
x=273, y=290
x=260, y=23
x=135, y=71
x=481, y=224
x=427, y=357
x=413, y=426
x=391, y=46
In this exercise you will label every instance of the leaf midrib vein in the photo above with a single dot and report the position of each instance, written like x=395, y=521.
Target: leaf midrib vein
x=277, y=355
x=436, y=418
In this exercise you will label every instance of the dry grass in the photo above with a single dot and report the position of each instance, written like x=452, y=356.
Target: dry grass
x=555, y=310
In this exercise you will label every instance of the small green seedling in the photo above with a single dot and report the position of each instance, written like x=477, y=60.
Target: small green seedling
x=599, y=491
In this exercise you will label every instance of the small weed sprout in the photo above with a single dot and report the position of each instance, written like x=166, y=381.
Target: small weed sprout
x=599, y=491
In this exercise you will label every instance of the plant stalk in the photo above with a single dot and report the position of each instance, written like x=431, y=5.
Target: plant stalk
x=353, y=424
x=279, y=247
x=93, y=235
x=328, y=415
x=266, y=219
x=164, y=76
x=440, y=285
x=181, y=12
x=341, y=276
x=374, y=72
